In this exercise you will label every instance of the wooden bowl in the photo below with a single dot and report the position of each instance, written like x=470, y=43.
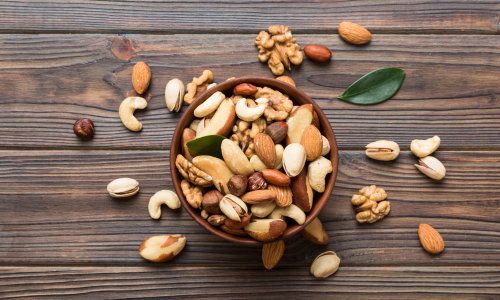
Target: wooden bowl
x=298, y=97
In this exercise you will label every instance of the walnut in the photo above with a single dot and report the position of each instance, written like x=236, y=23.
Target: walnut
x=279, y=107
x=369, y=210
x=278, y=50
x=243, y=134
x=194, y=195
x=191, y=173
x=272, y=115
x=198, y=86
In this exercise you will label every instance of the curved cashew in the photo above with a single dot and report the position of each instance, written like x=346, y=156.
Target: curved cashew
x=251, y=114
x=127, y=109
x=162, y=197
x=317, y=171
x=210, y=105
x=292, y=211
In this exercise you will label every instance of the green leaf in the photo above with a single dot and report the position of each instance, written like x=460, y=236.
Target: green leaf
x=207, y=145
x=375, y=87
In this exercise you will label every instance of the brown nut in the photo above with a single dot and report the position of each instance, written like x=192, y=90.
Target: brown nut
x=239, y=232
x=188, y=135
x=84, y=129
x=216, y=220
x=237, y=185
x=286, y=79
x=265, y=150
x=266, y=230
x=211, y=201
x=354, y=33
x=315, y=233
x=430, y=239
x=258, y=197
x=315, y=120
x=302, y=191
x=141, y=76
x=271, y=253
x=312, y=142
x=318, y=53
x=277, y=131
x=283, y=195
x=244, y=89
x=161, y=248
x=276, y=177
x=235, y=225
x=256, y=182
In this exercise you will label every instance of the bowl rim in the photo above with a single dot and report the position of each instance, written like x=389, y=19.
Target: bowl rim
x=176, y=145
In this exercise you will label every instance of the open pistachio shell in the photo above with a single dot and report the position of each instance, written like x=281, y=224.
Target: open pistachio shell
x=431, y=167
x=325, y=264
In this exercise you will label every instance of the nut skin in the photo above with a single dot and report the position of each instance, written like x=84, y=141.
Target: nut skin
x=141, y=77
x=237, y=185
x=244, y=89
x=84, y=129
x=161, y=248
x=216, y=220
x=276, y=177
x=256, y=181
x=211, y=201
x=265, y=150
x=354, y=33
x=272, y=253
x=301, y=190
x=277, y=131
x=283, y=195
x=312, y=142
x=318, y=53
x=430, y=239
x=266, y=230
x=259, y=197
x=286, y=79
x=235, y=225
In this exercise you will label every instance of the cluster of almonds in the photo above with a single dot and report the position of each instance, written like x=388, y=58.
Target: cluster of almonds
x=266, y=133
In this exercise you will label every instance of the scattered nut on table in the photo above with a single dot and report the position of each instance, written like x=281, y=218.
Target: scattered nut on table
x=382, y=150
x=123, y=187
x=198, y=86
x=325, y=264
x=368, y=208
x=272, y=253
x=84, y=129
x=127, y=109
x=431, y=167
x=174, y=94
x=162, y=197
x=423, y=148
x=162, y=248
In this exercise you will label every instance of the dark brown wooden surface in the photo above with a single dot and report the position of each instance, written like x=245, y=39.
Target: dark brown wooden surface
x=62, y=236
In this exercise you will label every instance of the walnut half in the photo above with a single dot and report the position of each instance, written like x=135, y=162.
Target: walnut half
x=369, y=208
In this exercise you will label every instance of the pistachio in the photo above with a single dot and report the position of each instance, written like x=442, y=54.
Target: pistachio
x=294, y=159
x=382, y=150
x=123, y=187
x=326, y=146
x=174, y=93
x=325, y=264
x=233, y=207
x=431, y=167
x=423, y=148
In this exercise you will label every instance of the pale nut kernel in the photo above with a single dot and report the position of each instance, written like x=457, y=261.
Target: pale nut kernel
x=317, y=171
x=233, y=207
x=126, y=112
x=235, y=159
x=325, y=264
x=431, y=167
x=194, y=124
x=279, y=156
x=423, y=148
x=123, y=187
x=204, y=215
x=315, y=233
x=262, y=210
x=210, y=105
x=162, y=197
x=294, y=159
x=174, y=94
x=291, y=211
x=325, y=147
x=161, y=248
x=251, y=114
x=382, y=150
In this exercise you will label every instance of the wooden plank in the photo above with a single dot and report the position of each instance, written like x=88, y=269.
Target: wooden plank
x=54, y=209
x=164, y=280
x=49, y=81
x=232, y=16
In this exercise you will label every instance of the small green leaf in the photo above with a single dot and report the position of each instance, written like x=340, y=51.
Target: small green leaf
x=207, y=145
x=375, y=87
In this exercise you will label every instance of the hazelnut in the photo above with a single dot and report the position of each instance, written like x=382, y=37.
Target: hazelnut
x=237, y=185
x=256, y=181
x=211, y=201
x=84, y=128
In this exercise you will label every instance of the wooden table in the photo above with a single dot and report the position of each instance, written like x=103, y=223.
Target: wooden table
x=62, y=236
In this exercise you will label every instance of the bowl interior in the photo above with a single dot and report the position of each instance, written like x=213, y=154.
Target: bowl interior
x=299, y=98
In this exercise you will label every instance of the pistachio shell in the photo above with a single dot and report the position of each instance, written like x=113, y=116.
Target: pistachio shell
x=431, y=167
x=123, y=187
x=174, y=93
x=382, y=150
x=226, y=206
x=294, y=159
x=325, y=264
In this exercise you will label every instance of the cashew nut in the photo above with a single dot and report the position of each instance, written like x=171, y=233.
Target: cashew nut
x=318, y=169
x=162, y=197
x=251, y=114
x=210, y=105
x=127, y=109
x=292, y=211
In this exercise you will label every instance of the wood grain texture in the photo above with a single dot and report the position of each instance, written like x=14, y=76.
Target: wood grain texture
x=54, y=209
x=50, y=81
x=232, y=16
x=163, y=281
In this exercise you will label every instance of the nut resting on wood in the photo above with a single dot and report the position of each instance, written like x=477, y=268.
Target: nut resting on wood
x=141, y=76
x=423, y=148
x=431, y=167
x=369, y=211
x=272, y=253
x=123, y=187
x=430, y=239
x=162, y=197
x=325, y=264
x=174, y=94
x=84, y=129
x=198, y=86
x=127, y=109
x=382, y=150
x=162, y=248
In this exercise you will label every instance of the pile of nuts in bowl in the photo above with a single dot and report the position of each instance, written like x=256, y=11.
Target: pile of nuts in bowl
x=273, y=162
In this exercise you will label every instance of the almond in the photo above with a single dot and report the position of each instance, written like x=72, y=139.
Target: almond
x=272, y=253
x=354, y=33
x=286, y=79
x=258, y=197
x=430, y=239
x=244, y=89
x=283, y=195
x=312, y=142
x=265, y=150
x=318, y=53
x=276, y=177
x=315, y=233
x=277, y=131
x=141, y=76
